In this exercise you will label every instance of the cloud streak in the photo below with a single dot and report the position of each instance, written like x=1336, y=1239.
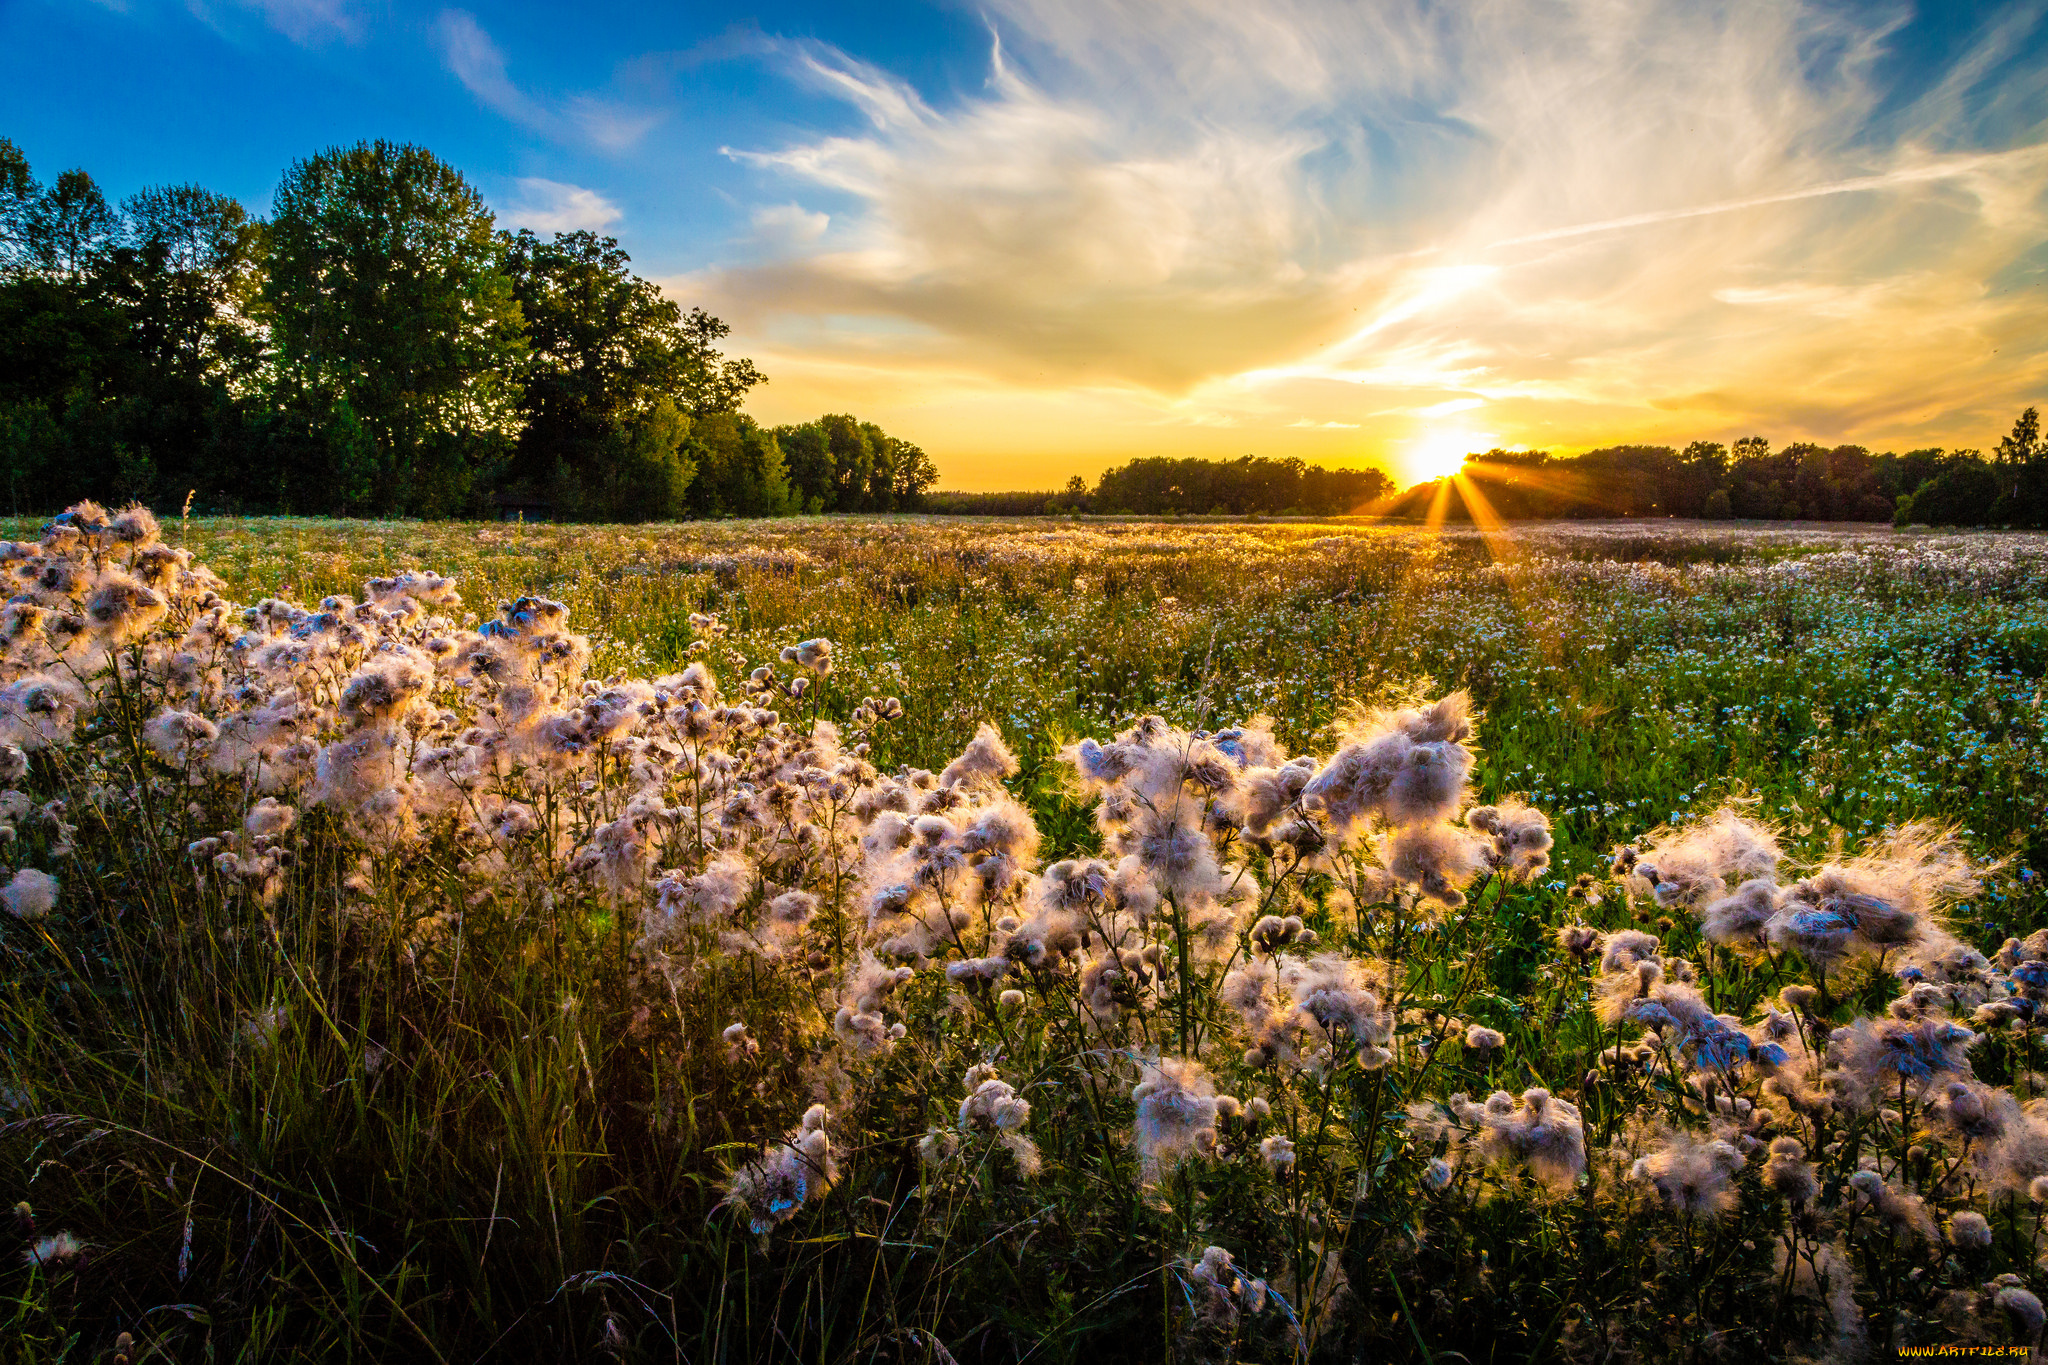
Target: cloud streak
x=549, y=206
x=476, y=60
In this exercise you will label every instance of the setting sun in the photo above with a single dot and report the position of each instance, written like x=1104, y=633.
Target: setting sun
x=1437, y=454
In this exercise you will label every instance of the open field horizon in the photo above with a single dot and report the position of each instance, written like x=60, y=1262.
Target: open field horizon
x=613, y=1019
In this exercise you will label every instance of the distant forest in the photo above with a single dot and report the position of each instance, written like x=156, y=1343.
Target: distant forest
x=1801, y=482
x=1706, y=479
x=1168, y=486
x=379, y=347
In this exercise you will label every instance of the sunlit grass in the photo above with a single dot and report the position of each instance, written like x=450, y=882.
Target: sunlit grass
x=507, y=1138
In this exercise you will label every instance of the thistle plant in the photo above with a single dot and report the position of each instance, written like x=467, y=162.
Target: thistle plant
x=381, y=981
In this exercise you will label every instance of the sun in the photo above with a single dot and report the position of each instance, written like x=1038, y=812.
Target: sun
x=1438, y=454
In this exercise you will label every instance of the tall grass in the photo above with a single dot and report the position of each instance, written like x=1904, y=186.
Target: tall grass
x=421, y=1097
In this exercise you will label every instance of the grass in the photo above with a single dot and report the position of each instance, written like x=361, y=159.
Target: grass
x=488, y=1126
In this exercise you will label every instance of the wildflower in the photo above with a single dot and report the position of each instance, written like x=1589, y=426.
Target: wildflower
x=177, y=737
x=1871, y=1055
x=1011, y=999
x=993, y=1107
x=1265, y=793
x=1278, y=1153
x=1691, y=1175
x=1517, y=838
x=985, y=761
x=1171, y=845
x=1878, y=901
x=29, y=894
x=1969, y=1230
x=1217, y=1273
x=1542, y=1131
x=771, y=1188
x=1901, y=1212
x=1330, y=989
x=815, y=655
x=60, y=1251
x=133, y=525
x=1789, y=1174
x=1440, y=859
x=1272, y=933
x=1712, y=1042
x=859, y=1022
x=1483, y=1040
x=1579, y=940
x=1176, y=1115
x=2022, y=1308
x=739, y=1043
x=1739, y=919
x=40, y=710
x=1621, y=950
x=1620, y=994
x=1693, y=865
x=268, y=819
x=120, y=609
x=1436, y=1176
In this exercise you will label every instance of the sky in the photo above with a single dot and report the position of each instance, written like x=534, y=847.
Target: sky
x=1040, y=237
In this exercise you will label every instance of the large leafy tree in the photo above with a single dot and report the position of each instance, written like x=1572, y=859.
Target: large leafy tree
x=616, y=374
x=392, y=312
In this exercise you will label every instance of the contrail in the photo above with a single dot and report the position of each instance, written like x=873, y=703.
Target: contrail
x=1940, y=170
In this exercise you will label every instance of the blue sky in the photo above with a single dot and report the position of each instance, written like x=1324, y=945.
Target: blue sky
x=1042, y=235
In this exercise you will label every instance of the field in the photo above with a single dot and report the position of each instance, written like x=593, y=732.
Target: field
x=537, y=1014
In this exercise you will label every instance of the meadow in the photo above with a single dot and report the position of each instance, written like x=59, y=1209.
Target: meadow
x=1122, y=941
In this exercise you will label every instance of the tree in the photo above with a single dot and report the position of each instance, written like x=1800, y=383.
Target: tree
x=72, y=227
x=709, y=382
x=807, y=453
x=19, y=193
x=387, y=292
x=853, y=461
x=188, y=276
x=608, y=354
x=1162, y=484
x=2020, y=461
x=740, y=468
x=1958, y=496
x=914, y=473
x=651, y=468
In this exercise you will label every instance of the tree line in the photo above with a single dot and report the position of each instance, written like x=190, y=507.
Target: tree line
x=1804, y=481
x=1172, y=486
x=378, y=346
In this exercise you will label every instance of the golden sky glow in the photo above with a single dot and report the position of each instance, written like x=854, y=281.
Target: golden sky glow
x=1388, y=233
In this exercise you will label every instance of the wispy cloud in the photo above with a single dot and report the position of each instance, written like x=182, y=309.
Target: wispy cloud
x=551, y=206
x=476, y=61
x=1574, y=221
x=306, y=22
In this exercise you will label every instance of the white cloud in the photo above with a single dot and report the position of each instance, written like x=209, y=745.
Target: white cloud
x=550, y=206
x=789, y=224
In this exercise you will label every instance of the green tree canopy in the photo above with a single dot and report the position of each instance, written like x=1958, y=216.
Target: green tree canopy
x=387, y=294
